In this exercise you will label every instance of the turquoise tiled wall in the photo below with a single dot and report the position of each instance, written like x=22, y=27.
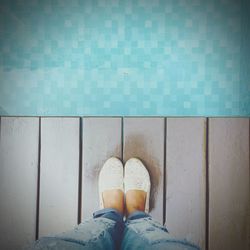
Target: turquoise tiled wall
x=125, y=57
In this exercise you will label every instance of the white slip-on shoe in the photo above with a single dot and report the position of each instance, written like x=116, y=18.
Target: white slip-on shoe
x=136, y=177
x=110, y=177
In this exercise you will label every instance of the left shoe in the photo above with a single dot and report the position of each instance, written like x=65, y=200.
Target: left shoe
x=110, y=177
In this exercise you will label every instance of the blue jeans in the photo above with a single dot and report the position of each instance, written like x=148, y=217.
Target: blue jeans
x=107, y=230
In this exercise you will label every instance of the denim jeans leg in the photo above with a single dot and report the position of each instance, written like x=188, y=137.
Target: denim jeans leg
x=117, y=230
x=101, y=232
x=142, y=232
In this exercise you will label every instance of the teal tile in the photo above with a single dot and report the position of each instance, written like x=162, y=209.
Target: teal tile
x=125, y=57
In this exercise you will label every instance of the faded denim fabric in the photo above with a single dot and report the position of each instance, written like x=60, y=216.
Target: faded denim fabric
x=104, y=231
x=142, y=232
x=107, y=230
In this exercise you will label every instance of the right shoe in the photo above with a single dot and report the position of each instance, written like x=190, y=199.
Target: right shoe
x=110, y=177
x=136, y=177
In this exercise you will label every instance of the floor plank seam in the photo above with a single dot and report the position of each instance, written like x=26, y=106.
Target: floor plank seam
x=164, y=170
x=38, y=179
x=79, y=217
x=122, y=139
x=0, y=127
x=207, y=187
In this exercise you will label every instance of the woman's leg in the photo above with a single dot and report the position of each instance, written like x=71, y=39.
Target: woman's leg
x=104, y=231
x=142, y=232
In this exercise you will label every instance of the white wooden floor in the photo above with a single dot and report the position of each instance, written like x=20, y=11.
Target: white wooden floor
x=199, y=170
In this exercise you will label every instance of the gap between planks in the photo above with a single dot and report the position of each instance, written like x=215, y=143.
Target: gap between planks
x=38, y=178
x=207, y=186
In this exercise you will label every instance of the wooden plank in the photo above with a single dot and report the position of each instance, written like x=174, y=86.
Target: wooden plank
x=18, y=181
x=229, y=183
x=144, y=138
x=59, y=175
x=186, y=179
x=101, y=140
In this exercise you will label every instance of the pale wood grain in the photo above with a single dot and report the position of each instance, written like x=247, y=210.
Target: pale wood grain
x=186, y=179
x=229, y=183
x=101, y=140
x=144, y=139
x=59, y=175
x=18, y=181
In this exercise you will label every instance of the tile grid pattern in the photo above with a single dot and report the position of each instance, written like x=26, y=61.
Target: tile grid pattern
x=124, y=57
